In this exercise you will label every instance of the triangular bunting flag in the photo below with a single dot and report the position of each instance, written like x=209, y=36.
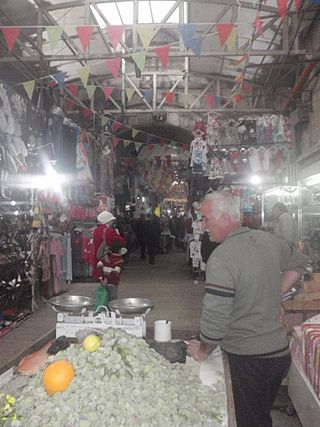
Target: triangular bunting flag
x=239, y=78
x=217, y=100
x=115, y=141
x=73, y=89
x=297, y=3
x=69, y=104
x=53, y=83
x=236, y=99
x=10, y=35
x=137, y=146
x=146, y=33
x=114, y=33
x=84, y=33
x=135, y=132
x=129, y=93
x=196, y=46
x=84, y=75
x=126, y=142
x=169, y=97
x=246, y=88
x=258, y=24
x=87, y=112
x=60, y=78
x=104, y=120
x=187, y=32
x=29, y=88
x=243, y=62
x=282, y=8
x=147, y=93
x=91, y=90
x=163, y=54
x=116, y=126
x=209, y=100
x=114, y=66
x=231, y=40
x=54, y=35
x=185, y=99
x=224, y=31
x=107, y=92
x=140, y=59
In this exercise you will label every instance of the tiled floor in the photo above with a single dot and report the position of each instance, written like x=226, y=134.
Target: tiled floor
x=168, y=283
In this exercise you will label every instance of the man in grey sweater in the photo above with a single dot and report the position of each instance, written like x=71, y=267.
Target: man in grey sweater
x=246, y=276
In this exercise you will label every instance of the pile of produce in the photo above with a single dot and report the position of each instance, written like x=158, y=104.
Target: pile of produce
x=121, y=382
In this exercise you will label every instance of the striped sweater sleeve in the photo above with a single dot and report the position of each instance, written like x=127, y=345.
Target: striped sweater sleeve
x=218, y=302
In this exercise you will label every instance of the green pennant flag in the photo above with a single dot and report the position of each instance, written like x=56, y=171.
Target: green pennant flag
x=129, y=93
x=54, y=35
x=135, y=132
x=232, y=39
x=137, y=146
x=84, y=75
x=126, y=142
x=29, y=88
x=91, y=90
x=185, y=99
x=146, y=33
x=140, y=59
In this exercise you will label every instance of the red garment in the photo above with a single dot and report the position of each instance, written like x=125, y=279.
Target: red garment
x=110, y=236
x=112, y=261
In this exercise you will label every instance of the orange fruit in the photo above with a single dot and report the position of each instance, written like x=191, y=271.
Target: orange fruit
x=57, y=376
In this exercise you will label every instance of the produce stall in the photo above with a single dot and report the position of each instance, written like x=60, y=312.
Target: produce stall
x=123, y=382
x=104, y=369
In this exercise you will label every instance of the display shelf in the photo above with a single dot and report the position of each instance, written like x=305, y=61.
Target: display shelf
x=304, y=399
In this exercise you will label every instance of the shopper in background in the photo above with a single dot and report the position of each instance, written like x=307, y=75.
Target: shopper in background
x=245, y=278
x=105, y=220
x=152, y=235
x=139, y=229
x=284, y=225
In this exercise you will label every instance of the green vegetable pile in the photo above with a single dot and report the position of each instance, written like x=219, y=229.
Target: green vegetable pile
x=123, y=383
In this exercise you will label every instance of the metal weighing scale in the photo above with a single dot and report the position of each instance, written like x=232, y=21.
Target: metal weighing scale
x=74, y=314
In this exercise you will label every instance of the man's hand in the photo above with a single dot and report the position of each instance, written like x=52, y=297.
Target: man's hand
x=199, y=350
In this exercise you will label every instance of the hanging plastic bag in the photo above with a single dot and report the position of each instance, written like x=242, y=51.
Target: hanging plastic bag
x=101, y=297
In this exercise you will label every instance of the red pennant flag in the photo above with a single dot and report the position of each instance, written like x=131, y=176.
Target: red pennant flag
x=73, y=88
x=87, y=112
x=297, y=3
x=114, y=33
x=210, y=100
x=162, y=142
x=114, y=66
x=169, y=97
x=107, y=92
x=246, y=88
x=53, y=84
x=69, y=104
x=236, y=98
x=116, y=126
x=10, y=35
x=150, y=147
x=224, y=31
x=115, y=141
x=258, y=24
x=163, y=54
x=282, y=8
x=84, y=33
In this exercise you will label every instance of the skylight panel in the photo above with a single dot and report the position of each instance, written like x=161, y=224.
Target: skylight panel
x=126, y=11
x=110, y=12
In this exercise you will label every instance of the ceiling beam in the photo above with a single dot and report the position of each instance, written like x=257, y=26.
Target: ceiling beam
x=210, y=54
